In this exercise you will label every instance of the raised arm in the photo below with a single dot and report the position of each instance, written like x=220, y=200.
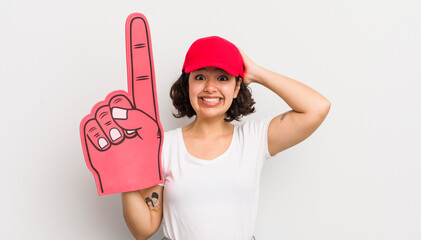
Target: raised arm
x=143, y=211
x=309, y=108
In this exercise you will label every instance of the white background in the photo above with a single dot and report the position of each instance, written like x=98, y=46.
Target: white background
x=356, y=177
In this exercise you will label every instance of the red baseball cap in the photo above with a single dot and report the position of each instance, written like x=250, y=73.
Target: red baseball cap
x=214, y=51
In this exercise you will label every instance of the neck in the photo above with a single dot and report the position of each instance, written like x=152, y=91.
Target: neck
x=208, y=127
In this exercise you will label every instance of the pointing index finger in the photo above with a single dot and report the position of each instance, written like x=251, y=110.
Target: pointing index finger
x=140, y=67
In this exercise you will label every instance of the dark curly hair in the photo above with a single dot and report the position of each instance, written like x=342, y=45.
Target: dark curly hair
x=241, y=106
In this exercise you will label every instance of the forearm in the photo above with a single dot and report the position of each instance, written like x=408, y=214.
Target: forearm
x=298, y=96
x=137, y=215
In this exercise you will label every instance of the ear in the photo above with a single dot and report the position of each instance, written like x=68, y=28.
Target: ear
x=237, y=87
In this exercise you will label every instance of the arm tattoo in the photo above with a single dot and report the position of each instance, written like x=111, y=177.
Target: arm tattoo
x=153, y=202
x=283, y=116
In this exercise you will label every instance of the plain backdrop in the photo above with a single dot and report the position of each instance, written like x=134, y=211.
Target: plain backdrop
x=356, y=177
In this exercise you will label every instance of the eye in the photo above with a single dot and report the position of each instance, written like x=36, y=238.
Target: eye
x=199, y=77
x=222, y=78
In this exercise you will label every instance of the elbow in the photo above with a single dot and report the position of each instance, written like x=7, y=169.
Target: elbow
x=139, y=231
x=143, y=235
x=326, y=107
x=321, y=110
x=138, y=237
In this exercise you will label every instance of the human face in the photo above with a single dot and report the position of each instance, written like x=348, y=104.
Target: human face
x=211, y=92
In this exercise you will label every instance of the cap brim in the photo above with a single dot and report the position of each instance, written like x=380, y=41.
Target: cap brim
x=196, y=66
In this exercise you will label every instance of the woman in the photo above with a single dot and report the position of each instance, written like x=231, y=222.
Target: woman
x=212, y=167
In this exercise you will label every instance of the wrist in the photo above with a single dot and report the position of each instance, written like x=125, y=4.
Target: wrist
x=258, y=74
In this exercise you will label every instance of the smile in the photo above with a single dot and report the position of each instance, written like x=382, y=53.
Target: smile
x=211, y=99
x=211, y=102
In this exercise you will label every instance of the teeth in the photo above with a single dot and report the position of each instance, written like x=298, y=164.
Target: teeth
x=211, y=99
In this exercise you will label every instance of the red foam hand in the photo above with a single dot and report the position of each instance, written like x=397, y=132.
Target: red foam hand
x=121, y=138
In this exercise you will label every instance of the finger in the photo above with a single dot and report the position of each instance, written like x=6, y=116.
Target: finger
x=108, y=126
x=146, y=127
x=119, y=105
x=133, y=119
x=140, y=67
x=96, y=136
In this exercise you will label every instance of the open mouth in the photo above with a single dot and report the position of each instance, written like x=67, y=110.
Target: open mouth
x=215, y=100
x=210, y=102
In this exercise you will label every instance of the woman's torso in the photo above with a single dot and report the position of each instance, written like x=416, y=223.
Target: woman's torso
x=217, y=197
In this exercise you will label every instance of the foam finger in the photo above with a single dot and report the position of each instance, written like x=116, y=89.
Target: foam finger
x=140, y=67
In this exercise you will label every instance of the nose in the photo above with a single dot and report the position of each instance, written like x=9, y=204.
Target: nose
x=210, y=86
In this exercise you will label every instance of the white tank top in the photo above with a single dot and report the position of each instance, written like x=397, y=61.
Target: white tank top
x=214, y=199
